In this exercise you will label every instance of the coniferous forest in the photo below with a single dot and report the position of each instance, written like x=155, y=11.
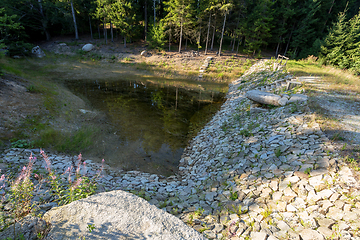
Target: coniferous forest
x=327, y=29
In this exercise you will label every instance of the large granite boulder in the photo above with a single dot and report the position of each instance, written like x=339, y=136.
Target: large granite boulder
x=88, y=47
x=115, y=215
x=36, y=51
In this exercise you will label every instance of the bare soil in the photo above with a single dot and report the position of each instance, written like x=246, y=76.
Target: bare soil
x=338, y=113
x=16, y=103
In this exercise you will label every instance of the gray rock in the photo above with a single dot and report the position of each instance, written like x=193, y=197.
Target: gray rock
x=293, y=84
x=37, y=52
x=283, y=101
x=88, y=47
x=263, y=97
x=298, y=98
x=115, y=215
x=29, y=226
x=258, y=110
x=258, y=235
x=309, y=234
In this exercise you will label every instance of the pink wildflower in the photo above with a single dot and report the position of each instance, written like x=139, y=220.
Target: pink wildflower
x=47, y=161
x=69, y=170
x=2, y=177
x=53, y=177
x=76, y=184
x=79, y=164
x=84, y=171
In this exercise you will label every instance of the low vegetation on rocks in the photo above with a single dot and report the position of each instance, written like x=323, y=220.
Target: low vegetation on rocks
x=253, y=172
x=39, y=187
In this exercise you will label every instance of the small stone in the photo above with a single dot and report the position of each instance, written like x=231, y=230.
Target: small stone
x=283, y=226
x=335, y=213
x=291, y=208
x=209, y=234
x=297, y=97
x=309, y=234
x=325, y=231
x=325, y=194
x=315, y=181
x=343, y=226
x=334, y=197
x=258, y=235
x=218, y=228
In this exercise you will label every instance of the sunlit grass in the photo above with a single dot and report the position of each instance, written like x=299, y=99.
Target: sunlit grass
x=341, y=80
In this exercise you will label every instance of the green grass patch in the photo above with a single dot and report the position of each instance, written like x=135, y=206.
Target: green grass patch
x=65, y=141
x=342, y=80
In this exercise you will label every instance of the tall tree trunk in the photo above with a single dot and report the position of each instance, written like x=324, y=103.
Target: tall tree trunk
x=237, y=49
x=186, y=43
x=74, y=19
x=207, y=35
x=154, y=13
x=199, y=40
x=213, y=36
x=170, y=39
x=332, y=4
x=44, y=22
x=111, y=32
x=99, y=29
x=277, y=48
x=233, y=46
x=237, y=26
x=287, y=45
x=91, y=33
x=222, y=35
x=181, y=32
x=146, y=21
x=105, y=31
x=124, y=41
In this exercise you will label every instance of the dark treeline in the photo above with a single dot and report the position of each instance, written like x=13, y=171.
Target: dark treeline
x=295, y=28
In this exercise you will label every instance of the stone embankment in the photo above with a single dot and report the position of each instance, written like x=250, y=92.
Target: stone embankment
x=254, y=172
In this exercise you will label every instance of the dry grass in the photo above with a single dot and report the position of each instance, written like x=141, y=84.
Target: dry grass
x=333, y=80
x=341, y=80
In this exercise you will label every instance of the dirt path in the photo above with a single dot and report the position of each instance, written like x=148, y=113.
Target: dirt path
x=339, y=116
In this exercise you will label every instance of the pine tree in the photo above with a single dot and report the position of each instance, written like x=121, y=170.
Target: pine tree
x=180, y=15
x=123, y=16
x=156, y=38
x=352, y=45
x=225, y=8
x=333, y=50
x=258, y=25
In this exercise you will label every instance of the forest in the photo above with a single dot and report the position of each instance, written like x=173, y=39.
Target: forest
x=327, y=29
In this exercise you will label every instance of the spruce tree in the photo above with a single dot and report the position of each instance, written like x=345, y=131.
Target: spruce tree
x=180, y=15
x=123, y=15
x=333, y=51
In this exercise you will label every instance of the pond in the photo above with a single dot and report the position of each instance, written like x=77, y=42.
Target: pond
x=145, y=124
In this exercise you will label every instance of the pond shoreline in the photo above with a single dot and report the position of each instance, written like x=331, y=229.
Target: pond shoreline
x=250, y=172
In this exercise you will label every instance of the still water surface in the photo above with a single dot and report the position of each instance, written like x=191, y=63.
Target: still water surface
x=144, y=125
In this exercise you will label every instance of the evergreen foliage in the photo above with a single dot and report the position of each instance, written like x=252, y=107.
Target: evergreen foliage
x=12, y=35
x=342, y=45
x=295, y=28
x=156, y=37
